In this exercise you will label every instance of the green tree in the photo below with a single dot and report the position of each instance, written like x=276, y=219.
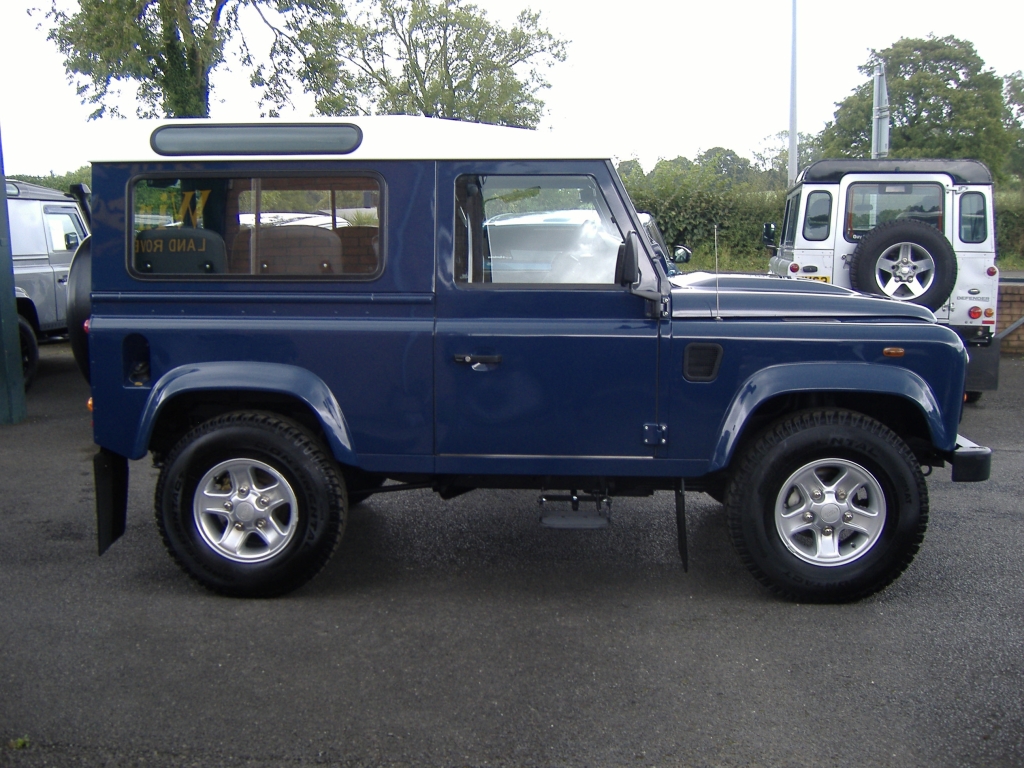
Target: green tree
x=772, y=162
x=81, y=176
x=943, y=102
x=439, y=59
x=167, y=49
x=1014, y=92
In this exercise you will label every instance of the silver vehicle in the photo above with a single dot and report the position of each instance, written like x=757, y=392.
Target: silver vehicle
x=47, y=227
x=920, y=231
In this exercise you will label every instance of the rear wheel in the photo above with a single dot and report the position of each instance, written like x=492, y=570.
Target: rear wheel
x=29, y=351
x=249, y=504
x=827, y=506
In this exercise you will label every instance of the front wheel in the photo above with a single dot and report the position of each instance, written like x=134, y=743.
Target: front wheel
x=827, y=506
x=249, y=504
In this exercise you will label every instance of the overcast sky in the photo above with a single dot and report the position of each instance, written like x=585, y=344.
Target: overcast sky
x=648, y=78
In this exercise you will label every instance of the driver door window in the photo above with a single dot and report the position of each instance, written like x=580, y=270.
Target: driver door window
x=534, y=230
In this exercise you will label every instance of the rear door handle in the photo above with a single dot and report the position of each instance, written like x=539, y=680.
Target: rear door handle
x=475, y=359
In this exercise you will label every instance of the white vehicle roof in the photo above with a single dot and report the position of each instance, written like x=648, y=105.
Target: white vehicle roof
x=391, y=137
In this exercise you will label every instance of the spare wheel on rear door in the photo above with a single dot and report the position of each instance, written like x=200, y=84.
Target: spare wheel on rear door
x=906, y=260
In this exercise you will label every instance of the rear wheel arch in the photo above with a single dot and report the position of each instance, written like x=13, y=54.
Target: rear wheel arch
x=187, y=410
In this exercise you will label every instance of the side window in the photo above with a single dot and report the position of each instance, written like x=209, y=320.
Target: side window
x=789, y=220
x=818, y=216
x=27, y=238
x=533, y=230
x=973, y=221
x=868, y=205
x=274, y=227
x=65, y=228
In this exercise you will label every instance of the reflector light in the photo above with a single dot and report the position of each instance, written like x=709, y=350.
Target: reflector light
x=991, y=271
x=794, y=267
x=86, y=324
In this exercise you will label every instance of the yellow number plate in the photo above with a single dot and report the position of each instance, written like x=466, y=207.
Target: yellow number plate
x=821, y=279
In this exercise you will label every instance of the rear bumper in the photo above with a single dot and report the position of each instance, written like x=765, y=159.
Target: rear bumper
x=971, y=462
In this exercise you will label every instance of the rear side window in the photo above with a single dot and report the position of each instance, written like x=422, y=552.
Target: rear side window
x=818, y=216
x=26, y=220
x=868, y=205
x=539, y=230
x=973, y=221
x=251, y=228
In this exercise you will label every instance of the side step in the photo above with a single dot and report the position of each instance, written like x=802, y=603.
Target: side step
x=576, y=519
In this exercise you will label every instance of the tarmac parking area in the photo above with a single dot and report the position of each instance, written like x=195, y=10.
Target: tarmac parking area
x=463, y=633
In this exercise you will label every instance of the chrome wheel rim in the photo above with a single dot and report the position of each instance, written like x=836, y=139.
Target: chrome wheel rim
x=245, y=510
x=830, y=512
x=905, y=271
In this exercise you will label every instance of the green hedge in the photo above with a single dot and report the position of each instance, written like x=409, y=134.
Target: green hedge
x=1010, y=228
x=688, y=201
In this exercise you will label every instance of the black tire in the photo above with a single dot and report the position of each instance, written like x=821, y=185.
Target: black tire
x=851, y=546
x=971, y=396
x=906, y=260
x=80, y=304
x=282, y=527
x=29, y=351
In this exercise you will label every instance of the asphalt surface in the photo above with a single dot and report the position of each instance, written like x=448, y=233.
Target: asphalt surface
x=462, y=633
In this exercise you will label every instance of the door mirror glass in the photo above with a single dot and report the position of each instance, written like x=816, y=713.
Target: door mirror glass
x=768, y=236
x=70, y=241
x=681, y=254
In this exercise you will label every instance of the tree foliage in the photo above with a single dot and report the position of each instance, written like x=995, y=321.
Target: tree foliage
x=167, y=49
x=719, y=192
x=63, y=182
x=943, y=102
x=439, y=59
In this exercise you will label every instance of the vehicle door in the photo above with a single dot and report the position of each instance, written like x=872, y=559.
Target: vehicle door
x=544, y=364
x=873, y=199
x=33, y=275
x=64, y=232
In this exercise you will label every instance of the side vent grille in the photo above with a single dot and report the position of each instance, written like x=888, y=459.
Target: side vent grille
x=701, y=361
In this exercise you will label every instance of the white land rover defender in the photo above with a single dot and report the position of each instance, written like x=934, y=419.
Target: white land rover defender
x=921, y=231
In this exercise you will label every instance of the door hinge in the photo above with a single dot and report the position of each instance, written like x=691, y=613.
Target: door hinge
x=655, y=434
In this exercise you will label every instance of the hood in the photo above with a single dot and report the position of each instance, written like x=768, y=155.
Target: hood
x=702, y=294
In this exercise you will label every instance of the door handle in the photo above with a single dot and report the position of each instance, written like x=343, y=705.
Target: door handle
x=475, y=359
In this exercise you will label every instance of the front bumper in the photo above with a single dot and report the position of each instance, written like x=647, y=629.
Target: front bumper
x=971, y=462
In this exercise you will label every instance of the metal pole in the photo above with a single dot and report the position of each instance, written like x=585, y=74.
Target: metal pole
x=12, y=385
x=793, y=136
x=880, y=116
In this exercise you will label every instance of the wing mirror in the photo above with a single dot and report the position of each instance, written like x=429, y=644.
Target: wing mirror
x=681, y=254
x=768, y=236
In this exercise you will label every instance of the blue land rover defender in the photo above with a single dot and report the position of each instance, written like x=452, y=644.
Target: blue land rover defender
x=293, y=317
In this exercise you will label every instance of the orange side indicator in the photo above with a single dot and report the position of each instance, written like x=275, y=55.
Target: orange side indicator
x=89, y=405
x=893, y=352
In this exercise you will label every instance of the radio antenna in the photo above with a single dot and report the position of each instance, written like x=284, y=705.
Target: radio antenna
x=718, y=306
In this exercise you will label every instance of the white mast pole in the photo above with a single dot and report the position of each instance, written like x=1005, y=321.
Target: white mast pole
x=793, y=147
